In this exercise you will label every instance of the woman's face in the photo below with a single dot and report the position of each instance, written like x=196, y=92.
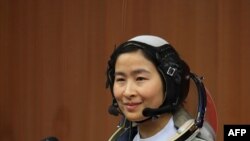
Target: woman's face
x=137, y=85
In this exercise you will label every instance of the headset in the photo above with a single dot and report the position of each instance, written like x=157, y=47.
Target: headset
x=176, y=75
x=189, y=129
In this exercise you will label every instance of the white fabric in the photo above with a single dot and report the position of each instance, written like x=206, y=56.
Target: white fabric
x=150, y=40
x=163, y=135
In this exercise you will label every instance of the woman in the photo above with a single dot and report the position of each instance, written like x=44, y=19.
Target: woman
x=149, y=82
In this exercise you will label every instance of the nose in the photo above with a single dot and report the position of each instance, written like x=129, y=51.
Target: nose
x=129, y=90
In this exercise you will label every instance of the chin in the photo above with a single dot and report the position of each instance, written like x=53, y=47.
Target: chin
x=135, y=117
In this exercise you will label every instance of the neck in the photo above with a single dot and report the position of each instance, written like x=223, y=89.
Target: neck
x=151, y=127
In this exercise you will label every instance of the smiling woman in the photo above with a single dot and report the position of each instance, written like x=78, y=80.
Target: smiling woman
x=138, y=87
x=149, y=83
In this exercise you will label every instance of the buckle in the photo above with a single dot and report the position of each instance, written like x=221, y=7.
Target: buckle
x=171, y=71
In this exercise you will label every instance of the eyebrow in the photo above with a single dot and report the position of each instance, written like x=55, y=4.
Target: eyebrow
x=134, y=72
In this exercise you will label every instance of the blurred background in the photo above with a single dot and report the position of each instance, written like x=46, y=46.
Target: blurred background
x=53, y=56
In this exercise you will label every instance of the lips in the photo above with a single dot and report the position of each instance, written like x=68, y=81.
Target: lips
x=131, y=106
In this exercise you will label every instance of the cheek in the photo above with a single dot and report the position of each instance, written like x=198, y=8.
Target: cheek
x=154, y=95
x=117, y=92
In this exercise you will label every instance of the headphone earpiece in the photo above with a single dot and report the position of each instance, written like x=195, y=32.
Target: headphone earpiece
x=113, y=110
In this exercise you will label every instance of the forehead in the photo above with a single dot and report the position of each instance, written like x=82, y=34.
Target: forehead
x=133, y=60
x=137, y=55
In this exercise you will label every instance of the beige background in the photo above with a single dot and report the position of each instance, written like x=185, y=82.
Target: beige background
x=53, y=56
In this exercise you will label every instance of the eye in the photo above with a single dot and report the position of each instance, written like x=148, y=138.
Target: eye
x=119, y=79
x=140, y=78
